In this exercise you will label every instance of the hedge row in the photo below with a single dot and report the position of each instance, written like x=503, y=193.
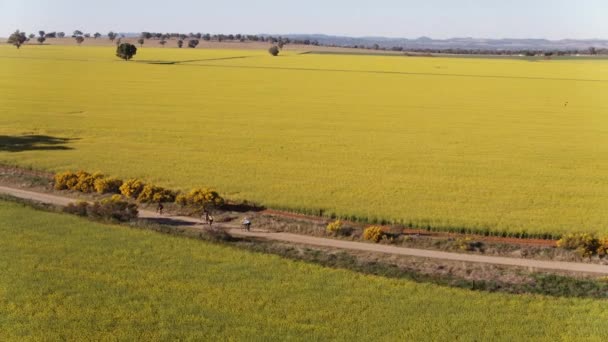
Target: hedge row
x=82, y=181
x=114, y=208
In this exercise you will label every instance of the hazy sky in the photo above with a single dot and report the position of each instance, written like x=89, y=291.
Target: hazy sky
x=553, y=19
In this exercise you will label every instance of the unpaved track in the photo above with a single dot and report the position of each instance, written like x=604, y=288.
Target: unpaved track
x=333, y=243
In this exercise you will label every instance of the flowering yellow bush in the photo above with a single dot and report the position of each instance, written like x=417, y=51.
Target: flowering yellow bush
x=373, y=233
x=152, y=193
x=132, y=188
x=86, y=181
x=602, y=249
x=584, y=243
x=108, y=185
x=334, y=227
x=78, y=181
x=181, y=199
x=200, y=197
x=65, y=180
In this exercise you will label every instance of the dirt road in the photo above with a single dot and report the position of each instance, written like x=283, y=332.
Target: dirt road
x=333, y=243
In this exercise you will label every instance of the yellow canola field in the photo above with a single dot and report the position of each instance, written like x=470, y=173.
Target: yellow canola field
x=478, y=143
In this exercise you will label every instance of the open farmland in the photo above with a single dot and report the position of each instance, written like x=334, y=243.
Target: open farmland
x=68, y=278
x=500, y=144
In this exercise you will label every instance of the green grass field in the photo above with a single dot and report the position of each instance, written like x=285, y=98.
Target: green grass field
x=67, y=278
x=425, y=141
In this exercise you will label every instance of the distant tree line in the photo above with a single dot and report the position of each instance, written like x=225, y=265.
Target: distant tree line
x=192, y=40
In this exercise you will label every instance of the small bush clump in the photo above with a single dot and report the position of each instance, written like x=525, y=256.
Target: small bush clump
x=602, y=249
x=108, y=185
x=200, y=198
x=132, y=188
x=373, y=233
x=335, y=227
x=156, y=194
x=468, y=244
x=585, y=244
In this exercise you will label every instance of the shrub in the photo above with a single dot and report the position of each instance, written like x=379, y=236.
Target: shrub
x=65, y=180
x=132, y=188
x=585, y=244
x=79, y=208
x=114, y=208
x=86, y=181
x=181, y=200
x=201, y=198
x=468, y=244
x=373, y=233
x=602, y=249
x=108, y=185
x=152, y=193
x=334, y=227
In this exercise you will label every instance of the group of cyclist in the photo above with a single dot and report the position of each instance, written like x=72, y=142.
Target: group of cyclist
x=208, y=218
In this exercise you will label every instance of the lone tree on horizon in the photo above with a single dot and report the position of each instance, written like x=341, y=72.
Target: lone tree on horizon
x=141, y=42
x=180, y=43
x=79, y=39
x=97, y=35
x=111, y=36
x=17, y=38
x=126, y=51
x=42, y=37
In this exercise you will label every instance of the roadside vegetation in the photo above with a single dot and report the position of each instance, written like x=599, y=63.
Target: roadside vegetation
x=125, y=276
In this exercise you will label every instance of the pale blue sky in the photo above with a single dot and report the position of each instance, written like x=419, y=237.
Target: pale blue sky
x=552, y=19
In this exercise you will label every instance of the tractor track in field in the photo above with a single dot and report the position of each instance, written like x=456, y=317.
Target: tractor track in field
x=331, y=243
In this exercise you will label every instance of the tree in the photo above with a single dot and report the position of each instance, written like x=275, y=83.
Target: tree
x=274, y=50
x=192, y=43
x=61, y=34
x=162, y=42
x=41, y=40
x=17, y=39
x=180, y=43
x=126, y=51
x=141, y=42
x=77, y=33
x=97, y=35
x=41, y=33
x=87, y=35
x=31, y=36
x=111, y=36
x=79, y=39
x=51, y=35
